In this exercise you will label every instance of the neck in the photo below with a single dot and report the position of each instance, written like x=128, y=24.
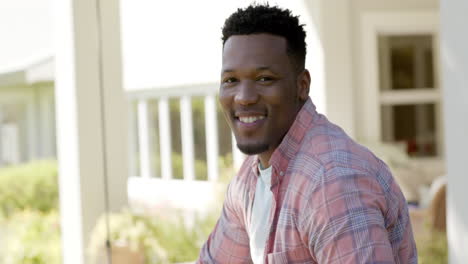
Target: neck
x=265, y=158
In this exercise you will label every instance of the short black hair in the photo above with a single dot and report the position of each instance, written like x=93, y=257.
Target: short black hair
x=263, y=18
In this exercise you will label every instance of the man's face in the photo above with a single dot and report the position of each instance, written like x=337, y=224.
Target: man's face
x=260, y=92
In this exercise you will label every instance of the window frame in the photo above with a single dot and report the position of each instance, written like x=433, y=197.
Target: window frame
x=371, y=98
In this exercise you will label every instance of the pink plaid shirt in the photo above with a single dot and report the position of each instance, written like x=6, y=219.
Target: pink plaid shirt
x=334, y=202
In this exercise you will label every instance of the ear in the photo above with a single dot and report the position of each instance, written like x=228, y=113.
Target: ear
x=303, y=85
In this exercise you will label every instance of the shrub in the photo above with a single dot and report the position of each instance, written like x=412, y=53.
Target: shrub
x=182, y=243
x=133, y=231
x=29, y=186
x=178, y=167
x=201, y=170
x=161, y=239
x=432, y=249
x=31, y=237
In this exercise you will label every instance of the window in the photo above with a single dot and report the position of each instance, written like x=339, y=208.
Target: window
x=408, y=96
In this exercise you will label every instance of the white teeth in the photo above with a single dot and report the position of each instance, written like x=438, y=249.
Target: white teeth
x=250, y=119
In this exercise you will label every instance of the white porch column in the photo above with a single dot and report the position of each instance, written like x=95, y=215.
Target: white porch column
x=454, y=56
x=91, y=118
x=332, y=61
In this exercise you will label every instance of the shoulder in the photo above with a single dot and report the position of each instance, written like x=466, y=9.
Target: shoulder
x=244, y=175
x=336, y=165
x=328, y=146
x=242, y=183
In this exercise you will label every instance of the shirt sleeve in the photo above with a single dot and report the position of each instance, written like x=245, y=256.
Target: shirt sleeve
x=357, y=218
x=229, y=241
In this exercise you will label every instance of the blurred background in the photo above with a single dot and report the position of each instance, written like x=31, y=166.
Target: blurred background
x=113, y=147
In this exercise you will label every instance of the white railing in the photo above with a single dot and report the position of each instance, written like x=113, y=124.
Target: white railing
x=164, y=190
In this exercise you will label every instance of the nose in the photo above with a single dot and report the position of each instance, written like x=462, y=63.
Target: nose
x=246, y=93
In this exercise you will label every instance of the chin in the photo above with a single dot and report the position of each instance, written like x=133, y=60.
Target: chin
x=252, y=149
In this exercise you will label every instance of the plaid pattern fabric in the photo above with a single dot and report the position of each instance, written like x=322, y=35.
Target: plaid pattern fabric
x=334, y=202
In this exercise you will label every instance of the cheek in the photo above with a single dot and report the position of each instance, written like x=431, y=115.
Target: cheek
x=226, y=105
x=224, y=99
x=282, y=93
x=280, y=100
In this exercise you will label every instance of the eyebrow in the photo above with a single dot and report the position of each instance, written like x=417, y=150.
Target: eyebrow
x=261, y=68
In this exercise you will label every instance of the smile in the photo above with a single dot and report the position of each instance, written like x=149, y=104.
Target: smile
x=250, y=119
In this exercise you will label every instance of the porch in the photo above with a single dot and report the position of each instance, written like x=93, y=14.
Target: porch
x=116, y=146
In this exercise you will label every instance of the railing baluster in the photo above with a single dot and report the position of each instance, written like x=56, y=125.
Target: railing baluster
x=165, y=138
x=211, y=130
x=186, y=125
x=144, y=139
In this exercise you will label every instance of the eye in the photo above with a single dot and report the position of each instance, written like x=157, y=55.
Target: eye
x=229, y=80
x=265, y=79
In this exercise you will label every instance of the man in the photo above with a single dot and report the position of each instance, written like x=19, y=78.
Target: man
x=308, y=193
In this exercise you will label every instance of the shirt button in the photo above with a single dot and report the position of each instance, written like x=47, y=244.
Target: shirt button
x=281, y=173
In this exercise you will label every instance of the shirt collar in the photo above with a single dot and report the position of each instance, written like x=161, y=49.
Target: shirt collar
x=290, y=144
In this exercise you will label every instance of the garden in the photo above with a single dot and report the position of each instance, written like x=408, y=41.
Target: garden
x=30, y=226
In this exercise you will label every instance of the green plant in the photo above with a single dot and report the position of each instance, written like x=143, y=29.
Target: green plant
x=178, y=166
x=28, y=186
x=162, y=239
x=31, y=237
x=432, y=249
x=126, y=229
x=181, y=242
x=201, y=171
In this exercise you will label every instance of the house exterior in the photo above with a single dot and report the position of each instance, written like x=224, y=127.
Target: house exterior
x=27, y=113
x=354, y=82
x=376, y=71
x=375, y=68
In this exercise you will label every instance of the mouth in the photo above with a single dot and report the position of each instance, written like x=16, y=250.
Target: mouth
x=250, y=119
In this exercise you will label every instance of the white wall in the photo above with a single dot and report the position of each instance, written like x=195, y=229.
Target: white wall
x=337, y=24
x=454, y=54
x=330, y=61
x=46, y=122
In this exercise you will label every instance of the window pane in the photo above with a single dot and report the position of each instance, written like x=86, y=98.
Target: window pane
x=406, y=62
x=402, y=67
x=428, y=69
x=412, y=125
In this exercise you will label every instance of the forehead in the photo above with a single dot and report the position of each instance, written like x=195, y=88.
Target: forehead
x=254, y=50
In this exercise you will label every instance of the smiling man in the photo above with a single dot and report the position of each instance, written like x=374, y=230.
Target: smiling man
x=307, y=193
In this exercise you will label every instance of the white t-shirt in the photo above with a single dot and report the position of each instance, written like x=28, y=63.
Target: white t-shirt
x=258, y=229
